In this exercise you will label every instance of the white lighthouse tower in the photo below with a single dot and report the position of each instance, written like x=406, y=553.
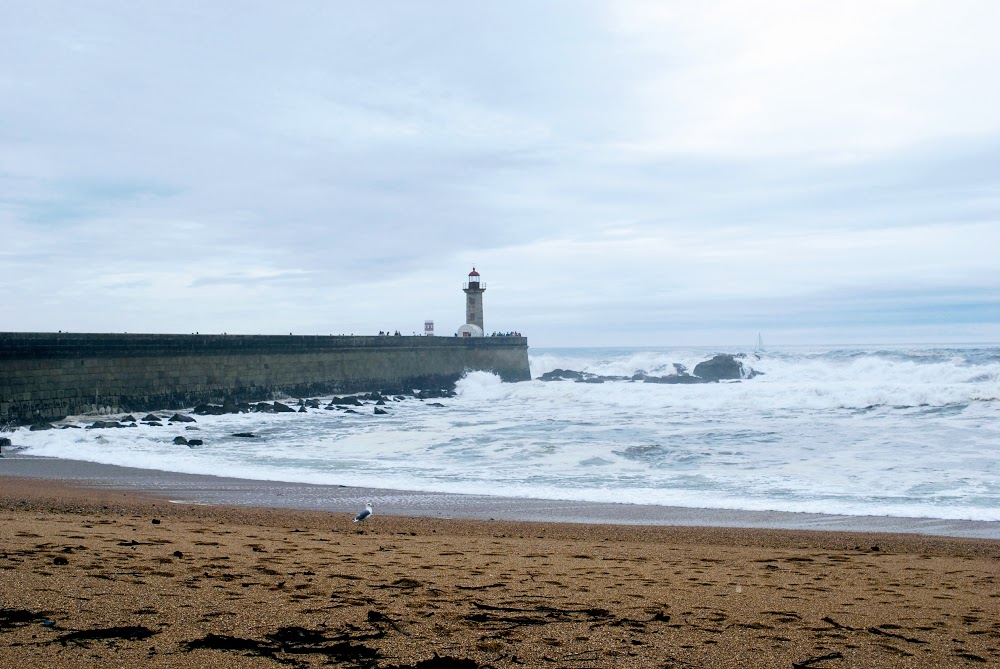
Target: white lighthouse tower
x=474, y=289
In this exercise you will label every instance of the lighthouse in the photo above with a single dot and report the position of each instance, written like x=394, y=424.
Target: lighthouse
x=474, y=289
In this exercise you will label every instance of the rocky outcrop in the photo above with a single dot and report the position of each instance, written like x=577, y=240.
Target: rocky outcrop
x=345, y=402
x=722, y=367
x=376, y=401
x=434, y=393
x=103, y=424
x=562, y=375
x=579, y=377
x=228, y=407
x=675, y=379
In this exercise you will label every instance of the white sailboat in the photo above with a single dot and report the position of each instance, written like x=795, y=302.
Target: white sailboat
x=759, y=348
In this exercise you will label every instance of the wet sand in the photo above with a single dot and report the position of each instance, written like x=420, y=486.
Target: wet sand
x=203, y=489
x=108, y=576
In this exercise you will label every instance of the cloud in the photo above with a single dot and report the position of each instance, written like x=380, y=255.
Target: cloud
x=629, y=172
x=786, y=77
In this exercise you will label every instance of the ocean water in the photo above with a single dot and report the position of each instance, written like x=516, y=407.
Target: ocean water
x=885, y=431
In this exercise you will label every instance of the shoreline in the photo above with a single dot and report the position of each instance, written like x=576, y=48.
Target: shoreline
x=200, y=489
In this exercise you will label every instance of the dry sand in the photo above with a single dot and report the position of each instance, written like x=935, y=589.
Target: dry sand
x=105, y=578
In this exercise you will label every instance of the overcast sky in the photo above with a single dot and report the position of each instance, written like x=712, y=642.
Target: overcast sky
x=621, y=173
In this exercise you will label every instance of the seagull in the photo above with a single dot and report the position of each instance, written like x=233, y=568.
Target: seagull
x=364, y=514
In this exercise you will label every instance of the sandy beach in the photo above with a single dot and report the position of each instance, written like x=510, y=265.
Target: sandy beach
x=91, y=577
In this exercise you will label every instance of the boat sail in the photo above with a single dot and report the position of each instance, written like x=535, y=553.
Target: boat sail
x=759, y=348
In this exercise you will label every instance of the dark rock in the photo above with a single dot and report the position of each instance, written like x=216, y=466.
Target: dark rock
x=180, y=441
x=346, y=402
x=282, y=408
x=302, y=409
x=102, y=424
x=722, y=367
x=380, y=412
x=153, y=423
x=156, y=521
x=245, y=435
x=41, y=426
x=434, y=394
x=381, y=402
x=263, y=407
x=561, y=375
x=215, y=409
x=195, y=442
x=127, y=419
x=4, y=441
x=675, y=378
x=580, y=377
x=435, y=404
x=312, y=404
x=60, y=560
x=181, y=418
x=151, y=418
x=227, y=407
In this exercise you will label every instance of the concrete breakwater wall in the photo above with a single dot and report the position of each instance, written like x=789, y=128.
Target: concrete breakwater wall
x=47, y=376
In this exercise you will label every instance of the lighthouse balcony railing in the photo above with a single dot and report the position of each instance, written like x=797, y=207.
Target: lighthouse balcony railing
x=474, y=285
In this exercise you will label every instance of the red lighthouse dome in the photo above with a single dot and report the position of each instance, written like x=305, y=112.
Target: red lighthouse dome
x=475, y=281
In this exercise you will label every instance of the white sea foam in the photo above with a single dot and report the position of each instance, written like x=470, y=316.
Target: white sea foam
x=878, y=432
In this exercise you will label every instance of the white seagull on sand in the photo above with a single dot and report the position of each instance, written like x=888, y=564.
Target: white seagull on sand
x=364, y=514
